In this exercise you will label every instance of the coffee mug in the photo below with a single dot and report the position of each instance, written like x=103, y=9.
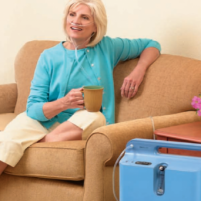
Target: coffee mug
x=93, y=98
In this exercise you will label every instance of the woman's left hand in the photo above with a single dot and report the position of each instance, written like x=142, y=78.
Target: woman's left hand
x=132, y=82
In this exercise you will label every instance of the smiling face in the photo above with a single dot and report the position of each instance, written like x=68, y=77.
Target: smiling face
x=80, y=15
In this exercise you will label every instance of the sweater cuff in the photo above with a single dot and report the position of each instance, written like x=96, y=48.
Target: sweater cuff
x=154, y=44
x=36, y=112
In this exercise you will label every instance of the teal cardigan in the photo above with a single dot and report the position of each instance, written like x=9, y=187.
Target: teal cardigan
x=51, y=75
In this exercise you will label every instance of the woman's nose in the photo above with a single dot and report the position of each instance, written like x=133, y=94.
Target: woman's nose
x=77, y=20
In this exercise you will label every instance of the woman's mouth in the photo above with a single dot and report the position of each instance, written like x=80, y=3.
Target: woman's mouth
x=76, y=29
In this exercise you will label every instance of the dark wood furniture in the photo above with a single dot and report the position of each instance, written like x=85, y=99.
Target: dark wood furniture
x=190, y=132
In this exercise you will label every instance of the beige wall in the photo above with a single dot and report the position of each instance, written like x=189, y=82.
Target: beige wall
x=174, y=23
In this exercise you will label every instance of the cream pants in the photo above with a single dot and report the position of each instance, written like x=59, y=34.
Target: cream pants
x=23, y=131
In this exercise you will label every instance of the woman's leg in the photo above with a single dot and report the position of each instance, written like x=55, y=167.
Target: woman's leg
x=64, y=132
x=78, y=127
x=16, y=137
x=2, y=167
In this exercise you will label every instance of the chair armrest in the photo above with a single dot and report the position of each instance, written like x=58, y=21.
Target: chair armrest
x=8, y=98
x=106, y=143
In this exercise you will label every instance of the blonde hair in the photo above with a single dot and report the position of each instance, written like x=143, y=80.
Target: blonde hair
x=99, y=14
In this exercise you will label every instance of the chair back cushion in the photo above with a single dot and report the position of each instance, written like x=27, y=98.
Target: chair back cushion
x=168, y=87
x=25, y=64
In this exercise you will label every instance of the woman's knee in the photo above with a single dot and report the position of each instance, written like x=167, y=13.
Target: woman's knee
x=99, y=118
x=95, y=120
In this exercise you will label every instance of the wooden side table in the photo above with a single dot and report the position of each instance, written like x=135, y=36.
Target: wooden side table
x=190, y=132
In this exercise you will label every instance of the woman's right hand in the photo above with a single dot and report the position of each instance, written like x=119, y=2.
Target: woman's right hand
x=73, y=99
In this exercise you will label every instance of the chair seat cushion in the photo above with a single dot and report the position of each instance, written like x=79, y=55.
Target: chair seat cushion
x=52, y=160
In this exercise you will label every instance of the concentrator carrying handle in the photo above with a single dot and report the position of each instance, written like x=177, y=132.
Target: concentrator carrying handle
x=152, y=146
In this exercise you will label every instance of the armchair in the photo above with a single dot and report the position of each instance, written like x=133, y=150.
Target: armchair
x=82, y=170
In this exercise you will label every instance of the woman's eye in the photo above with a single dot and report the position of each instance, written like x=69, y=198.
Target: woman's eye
x=71, y=14
x=86, y=18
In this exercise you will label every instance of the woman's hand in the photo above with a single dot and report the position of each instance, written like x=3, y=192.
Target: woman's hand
x=73, y=99
x=132, y=82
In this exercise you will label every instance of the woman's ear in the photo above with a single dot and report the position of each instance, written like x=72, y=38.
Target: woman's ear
x=95, y=29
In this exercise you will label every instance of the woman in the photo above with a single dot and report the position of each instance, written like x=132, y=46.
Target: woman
x=55, y=110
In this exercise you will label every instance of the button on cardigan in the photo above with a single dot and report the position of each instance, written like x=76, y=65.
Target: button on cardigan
x=51, y=77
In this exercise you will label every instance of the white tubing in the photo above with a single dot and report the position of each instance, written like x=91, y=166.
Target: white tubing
x=153, y=126
x=116, y=163
x=80, y=25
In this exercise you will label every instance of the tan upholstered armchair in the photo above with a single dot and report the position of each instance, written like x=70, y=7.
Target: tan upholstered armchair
x=82, y=170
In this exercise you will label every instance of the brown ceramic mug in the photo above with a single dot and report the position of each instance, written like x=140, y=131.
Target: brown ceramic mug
x=93, y=98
